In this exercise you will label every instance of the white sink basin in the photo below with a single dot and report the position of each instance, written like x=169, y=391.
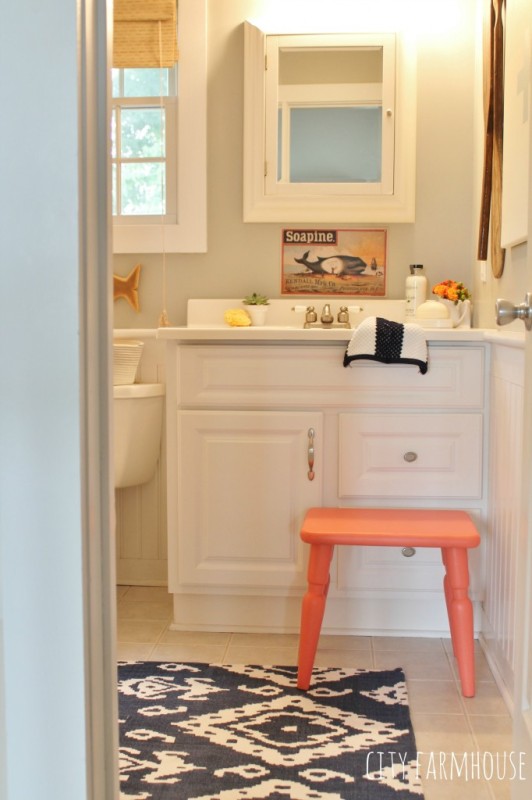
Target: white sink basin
x=289, y=313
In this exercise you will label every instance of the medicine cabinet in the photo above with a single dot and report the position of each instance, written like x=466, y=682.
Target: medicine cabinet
x=329, y=127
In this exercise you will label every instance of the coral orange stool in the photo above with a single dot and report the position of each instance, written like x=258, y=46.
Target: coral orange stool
x=453, y=531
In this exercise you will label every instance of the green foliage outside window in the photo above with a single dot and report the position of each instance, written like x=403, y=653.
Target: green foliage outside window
x=138, y=141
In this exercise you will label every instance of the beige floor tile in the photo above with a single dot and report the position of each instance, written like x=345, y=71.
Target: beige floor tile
x=133, y=630
x=265, y=639
x=422, y=664
x=407, y=643
x=482, y=669
x=267, y=656
x=331, y=641
x=143, y=609
x=492, y=734
x=442, y=732
x=151, y=593
x=455, y=790
x=329, y=657
x=487, y=700
x=448, y=645
x=130, y=651
x=502, y=790
x=195, y=637
x=205, y=654
x=438, y=697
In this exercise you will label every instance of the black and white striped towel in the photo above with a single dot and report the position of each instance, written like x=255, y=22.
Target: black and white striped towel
x=380, y=339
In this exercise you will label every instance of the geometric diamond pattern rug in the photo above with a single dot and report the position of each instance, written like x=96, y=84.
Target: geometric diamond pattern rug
x=208, y=732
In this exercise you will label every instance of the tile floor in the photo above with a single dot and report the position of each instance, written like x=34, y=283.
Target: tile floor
x=444, y=721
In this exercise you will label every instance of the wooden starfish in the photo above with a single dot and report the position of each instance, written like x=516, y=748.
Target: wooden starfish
x=128, y=287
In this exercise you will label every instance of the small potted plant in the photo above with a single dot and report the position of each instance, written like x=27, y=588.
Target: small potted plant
x=257, y=306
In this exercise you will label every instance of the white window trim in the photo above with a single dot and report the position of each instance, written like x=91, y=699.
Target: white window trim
x=189, y=234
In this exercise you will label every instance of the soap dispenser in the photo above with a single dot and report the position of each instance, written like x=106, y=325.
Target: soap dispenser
x=416, y=290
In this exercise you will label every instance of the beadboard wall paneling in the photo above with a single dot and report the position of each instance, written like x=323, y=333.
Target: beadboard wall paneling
x=504, y=532
x=141, y=549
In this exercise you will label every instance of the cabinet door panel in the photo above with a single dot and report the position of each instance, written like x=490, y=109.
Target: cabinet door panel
x=243, y=491
x=410, y=455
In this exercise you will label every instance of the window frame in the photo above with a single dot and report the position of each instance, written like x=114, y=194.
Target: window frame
x=169, y=159
x=189, y=233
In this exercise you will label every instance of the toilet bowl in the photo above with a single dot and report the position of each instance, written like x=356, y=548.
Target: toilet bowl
x=138, y=416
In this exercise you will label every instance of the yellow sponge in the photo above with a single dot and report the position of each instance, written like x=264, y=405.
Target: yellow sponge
x=237, y=318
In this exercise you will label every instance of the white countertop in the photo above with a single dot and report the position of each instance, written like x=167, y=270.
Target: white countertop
x=287, y=315
x=229, y=335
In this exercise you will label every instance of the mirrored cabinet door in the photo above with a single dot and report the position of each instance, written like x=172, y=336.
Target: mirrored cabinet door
x=330, y=114
x=329, y=128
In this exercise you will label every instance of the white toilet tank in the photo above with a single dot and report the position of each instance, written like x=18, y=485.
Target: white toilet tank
x=138, y=417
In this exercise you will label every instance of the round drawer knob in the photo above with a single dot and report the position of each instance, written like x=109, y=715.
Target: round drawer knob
x=408, y=552
x=410, y=456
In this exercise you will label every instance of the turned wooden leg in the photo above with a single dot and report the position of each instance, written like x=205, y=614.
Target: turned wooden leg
x=448, y=597
x=460, y=611
x=312, y=610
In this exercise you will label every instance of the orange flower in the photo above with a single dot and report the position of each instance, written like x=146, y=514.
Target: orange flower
x=451, y=290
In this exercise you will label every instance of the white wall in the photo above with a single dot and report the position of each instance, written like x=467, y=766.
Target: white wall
x=44, y=750
x=246, y=257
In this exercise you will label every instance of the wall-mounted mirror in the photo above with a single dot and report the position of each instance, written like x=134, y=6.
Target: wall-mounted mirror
x=329, y=128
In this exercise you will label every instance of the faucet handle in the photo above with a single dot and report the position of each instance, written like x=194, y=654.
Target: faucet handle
x=311, y=315
x=343, y=315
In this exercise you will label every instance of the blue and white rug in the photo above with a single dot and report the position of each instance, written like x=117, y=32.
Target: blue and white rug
x=205, y=732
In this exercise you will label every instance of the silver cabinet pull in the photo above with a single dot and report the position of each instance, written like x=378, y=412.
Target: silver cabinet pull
x=408, y=552
x=410, y=456
x=310, y=453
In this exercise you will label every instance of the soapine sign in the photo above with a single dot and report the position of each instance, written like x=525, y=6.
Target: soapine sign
x=334, y=262
x=291, y=236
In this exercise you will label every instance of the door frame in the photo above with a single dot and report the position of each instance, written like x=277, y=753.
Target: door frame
x=94, y=49
x=522, y=721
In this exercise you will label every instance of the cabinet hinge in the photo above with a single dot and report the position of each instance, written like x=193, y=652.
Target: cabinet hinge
x=265, y=168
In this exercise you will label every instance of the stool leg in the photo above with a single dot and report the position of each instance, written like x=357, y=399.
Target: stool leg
x=312, y=610
x=448, y=597
x=460, y=615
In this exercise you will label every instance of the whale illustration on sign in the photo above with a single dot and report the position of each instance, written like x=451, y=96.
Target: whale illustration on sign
x=333, y=265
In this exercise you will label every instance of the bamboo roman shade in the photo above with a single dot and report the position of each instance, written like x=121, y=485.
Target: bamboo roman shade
x=145, y=33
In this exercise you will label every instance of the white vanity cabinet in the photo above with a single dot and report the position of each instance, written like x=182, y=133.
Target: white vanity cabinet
x=244, y=488
x=241, y=420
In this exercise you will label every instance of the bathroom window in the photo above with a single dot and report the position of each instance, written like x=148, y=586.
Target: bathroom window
x=143, y=145
x=159, y=136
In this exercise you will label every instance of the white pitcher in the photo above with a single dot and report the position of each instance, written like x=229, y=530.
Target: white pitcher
x=460, y=312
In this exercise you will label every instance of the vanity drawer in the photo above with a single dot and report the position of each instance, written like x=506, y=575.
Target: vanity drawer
x=303, y=376
x=410, y=455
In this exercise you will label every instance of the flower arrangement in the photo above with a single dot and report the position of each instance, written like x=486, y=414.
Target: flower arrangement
x=451, y=290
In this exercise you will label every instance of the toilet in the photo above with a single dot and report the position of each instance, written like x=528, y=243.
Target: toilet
x=138, y=416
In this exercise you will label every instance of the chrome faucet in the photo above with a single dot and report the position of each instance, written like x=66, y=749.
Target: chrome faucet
x=326, y=316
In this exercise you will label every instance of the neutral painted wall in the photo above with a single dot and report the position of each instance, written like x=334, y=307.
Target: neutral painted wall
x=246, y=257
